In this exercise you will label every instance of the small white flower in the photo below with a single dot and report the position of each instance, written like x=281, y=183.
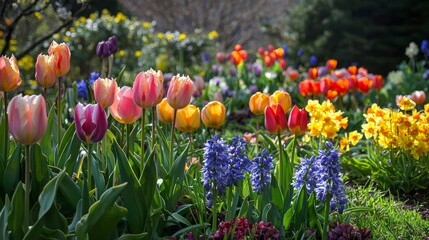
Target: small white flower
x=412, y=50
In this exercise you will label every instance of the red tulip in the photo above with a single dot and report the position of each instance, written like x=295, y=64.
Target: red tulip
x=105, y=91
x=275, y=119
x=377, y=82
x=298, y=121
x=61, y=53
x=313, y=73
x=123, y=109
x=91, y=122
x=45, y=71
x=27, y=118
x=306, y=87
x=418, y=97
x=363, y=84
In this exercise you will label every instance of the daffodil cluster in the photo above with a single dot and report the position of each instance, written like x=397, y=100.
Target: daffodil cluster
x=324, y=120
x=399, y=130
x=349, y=138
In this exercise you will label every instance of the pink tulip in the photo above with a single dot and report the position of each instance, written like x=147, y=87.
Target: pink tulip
x=147, y=88
x=418, y=97
x=123, y=109
x=9, y=74
x=105, y=91
x=180, y=91
x=27, y=118
x=61, y=53
x=91, y=122
x=275, y=119
x=45, y=70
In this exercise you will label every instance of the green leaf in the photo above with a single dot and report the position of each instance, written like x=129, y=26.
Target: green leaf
x=191, y=228
x=103, y=214
x=11, y=173
x=4, y=232
x=46, y=141
x=47, y=197
x=179, y=218
x=16, y=216
x=287, y=218
x=178, y=170
x=121, y=73
x=70, y=191
x=69, y=149
x=39, y=168
x=133, y=236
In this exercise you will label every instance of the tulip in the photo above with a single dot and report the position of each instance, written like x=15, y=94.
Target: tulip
x=188, y=119
x=113, y=44
x=91, y=122
x=377, y=82
x=418, y=97
x=164, y=111
x=331, y=64
x=45, y=71
x=123, y=109
x=275, y=119
x=9, y=74
x=258, y=102
x=102, y=50
x=283, y=98
x=61, y=53
x=180, y=91
x=298, y=121
x=27, y=118
x=313, y=73
x=147, y=88
x=105, y=91
x=213, y=114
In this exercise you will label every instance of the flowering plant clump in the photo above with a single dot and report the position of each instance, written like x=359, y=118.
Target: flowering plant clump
x=324, y=120
x=260, y=171
x=241, y=229
x=321, y=175
x=347, y=231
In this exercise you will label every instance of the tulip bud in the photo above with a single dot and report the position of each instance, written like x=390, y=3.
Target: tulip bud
x=180, y=91
x=147, y=88
x=91, y=122
x=213, y=114
x=418, y=97
x=298, y=121
x=123, y=109
x=105, y=91
x=275, y=119
x=61, y=53
x=199, y=83
x=283, y=98
x=45, y=71
x=27, y=118
x=9, y=74
x=165, y=112
x=113, y=44
x=188, y=119
x=258, y=102
x=102, y=50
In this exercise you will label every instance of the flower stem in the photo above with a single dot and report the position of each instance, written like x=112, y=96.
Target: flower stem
x=153, y=126
x=110, y=65
x=89, y=165
x=214, y=222
x=257, y=133
x=326, y=217
x=142, y=142
x=59, y=113
x=27, y=189
x=172, y=138
x=281, y=181
x=6, y=130
x=127, y=150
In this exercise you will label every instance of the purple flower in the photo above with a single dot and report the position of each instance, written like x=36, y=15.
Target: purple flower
x=257, y=69
x=300, y=52
x=313, y=61
x=253, y=89
x=232, y=71
x=260, y=171
x=238, y=160
x=322, y=71
x=425, y=48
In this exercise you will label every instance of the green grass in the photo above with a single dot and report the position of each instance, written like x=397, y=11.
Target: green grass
x=388, y=219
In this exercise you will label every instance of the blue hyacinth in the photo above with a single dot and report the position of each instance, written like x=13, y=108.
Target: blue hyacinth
x=313, y=61
x=260, y=171
x=215, y=167
x=82, y=90
x=425, y=48
x=321, y=174
x=238, y=160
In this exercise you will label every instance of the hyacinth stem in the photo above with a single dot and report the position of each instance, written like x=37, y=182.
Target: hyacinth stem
x=89, y=159
x=59, y=113
x=326, y=217
x=27, y=189
x=153, y=126
x=142, y=142
x=172, y=138
x=6, y=132
x=214, y=222
x=281, y=163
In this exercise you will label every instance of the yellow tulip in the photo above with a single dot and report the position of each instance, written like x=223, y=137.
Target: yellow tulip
x=188, y=119
x=258, y=102
x=283, y=98
x=213, y=114
x=165, y=112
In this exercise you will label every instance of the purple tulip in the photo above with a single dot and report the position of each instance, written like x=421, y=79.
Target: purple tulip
x=91, y=122
x=113, y=44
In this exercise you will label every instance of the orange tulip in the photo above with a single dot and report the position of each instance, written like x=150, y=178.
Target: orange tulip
x=331, y=64
x=105, y=91
x=123, y=109
x=9, y=74
x=180, y=91
x=188, y=119
x=164, y=111
x=352, y=70
x=239, y=55
x=313, y=73
x=27, y=118
x=306, y=87
x=275, y=119
x=298, y=121
x=258, y=102
x=283, y=98
x=45, y=71
x=147, y=88
x=363, y=84
x=61, y=53
x=213, y=114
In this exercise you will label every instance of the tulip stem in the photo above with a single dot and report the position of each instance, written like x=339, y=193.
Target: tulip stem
x=27, y=189
x=6, y=130
x=172, y=137
x=142, y=142
x=59, y=117
x=281, y=170
x=257, y=133
x=128, y=142
x=89, y=166
x=110, y=65
x=153, y=127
